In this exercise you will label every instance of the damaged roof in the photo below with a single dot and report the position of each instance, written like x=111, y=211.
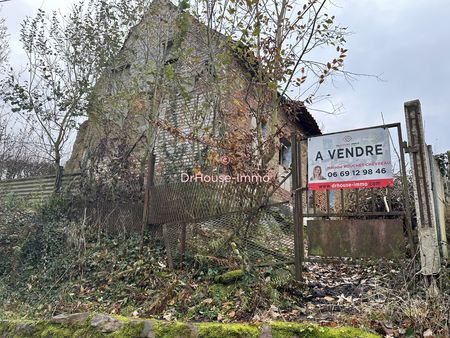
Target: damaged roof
x=295, y=110
x=298, y=114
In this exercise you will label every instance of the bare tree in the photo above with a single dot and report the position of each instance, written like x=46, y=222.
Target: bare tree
x=273, y=39
x=20, y=155
x=4, y=45
x=66, y=55
x=279, y=42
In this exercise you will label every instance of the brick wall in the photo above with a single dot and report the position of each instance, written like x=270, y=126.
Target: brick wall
x=194, y=98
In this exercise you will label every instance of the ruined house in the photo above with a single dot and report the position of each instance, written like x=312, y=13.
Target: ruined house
x=174, y=87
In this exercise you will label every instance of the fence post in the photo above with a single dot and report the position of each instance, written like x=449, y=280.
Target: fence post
x=149, y=183
x=183, y=244
x=448, y=159
x=426, y=221
x=298, y=207
x=406, y=197
x=437, y=186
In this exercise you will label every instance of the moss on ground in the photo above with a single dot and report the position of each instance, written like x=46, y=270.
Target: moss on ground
x=130, y=329
x=217, y=330
x=230, y=276
x=55, y=331
x=288, y=330
x=171, y=329
x=161, y=329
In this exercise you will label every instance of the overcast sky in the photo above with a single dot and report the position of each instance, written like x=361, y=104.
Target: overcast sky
x=407, y=42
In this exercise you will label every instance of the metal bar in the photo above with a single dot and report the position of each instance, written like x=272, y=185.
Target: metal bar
x=277, y=187
x=357, y=261
x=149, y=184
x=390, y=125
x=342, y=201
x=300, y=202
x=406, y=200
x=298, y=208
x=357, y=214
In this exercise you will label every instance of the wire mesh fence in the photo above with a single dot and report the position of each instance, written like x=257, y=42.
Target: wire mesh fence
x=262, y=235
x=192, y=201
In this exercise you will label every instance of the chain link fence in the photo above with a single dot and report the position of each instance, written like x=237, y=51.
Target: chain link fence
x=260, y=235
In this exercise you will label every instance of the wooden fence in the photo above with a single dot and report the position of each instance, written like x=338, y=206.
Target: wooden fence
x=38, y=188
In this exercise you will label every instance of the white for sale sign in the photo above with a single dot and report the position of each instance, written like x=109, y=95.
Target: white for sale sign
x=347, y=160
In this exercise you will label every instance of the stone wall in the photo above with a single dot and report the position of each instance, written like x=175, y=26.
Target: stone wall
x=99, y=325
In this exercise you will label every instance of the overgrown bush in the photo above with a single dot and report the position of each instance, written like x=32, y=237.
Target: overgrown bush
x=16, y=226
x=62, y=266
x=31, y=236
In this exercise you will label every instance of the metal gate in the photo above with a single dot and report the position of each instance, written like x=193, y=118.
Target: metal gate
x=368, y=222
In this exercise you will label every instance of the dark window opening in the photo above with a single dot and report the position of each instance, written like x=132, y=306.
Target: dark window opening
x=285, y=158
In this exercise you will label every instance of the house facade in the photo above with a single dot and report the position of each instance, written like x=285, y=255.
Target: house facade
x=178, y=90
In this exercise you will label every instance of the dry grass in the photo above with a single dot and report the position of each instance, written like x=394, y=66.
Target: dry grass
x=409, y=304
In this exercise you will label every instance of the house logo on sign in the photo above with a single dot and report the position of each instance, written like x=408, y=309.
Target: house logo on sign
x=347, y=138
x=225, y=160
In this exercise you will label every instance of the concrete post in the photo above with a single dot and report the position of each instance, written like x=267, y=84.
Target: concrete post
x=437, y=185
x=423, y=198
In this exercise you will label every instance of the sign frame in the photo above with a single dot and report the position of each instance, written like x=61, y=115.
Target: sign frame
x=336, y=166
x=300, y=192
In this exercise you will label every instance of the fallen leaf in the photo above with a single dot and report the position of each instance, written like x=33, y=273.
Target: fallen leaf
x=428, y=334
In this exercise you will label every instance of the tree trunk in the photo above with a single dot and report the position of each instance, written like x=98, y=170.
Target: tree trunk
x=59, y=173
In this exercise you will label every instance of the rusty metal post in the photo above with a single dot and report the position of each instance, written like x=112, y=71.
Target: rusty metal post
x=426, y=221
x=148, y=184
x=406, y=199
x=298, y=207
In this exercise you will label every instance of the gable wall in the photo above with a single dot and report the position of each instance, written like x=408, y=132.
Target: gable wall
x=120, y=119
